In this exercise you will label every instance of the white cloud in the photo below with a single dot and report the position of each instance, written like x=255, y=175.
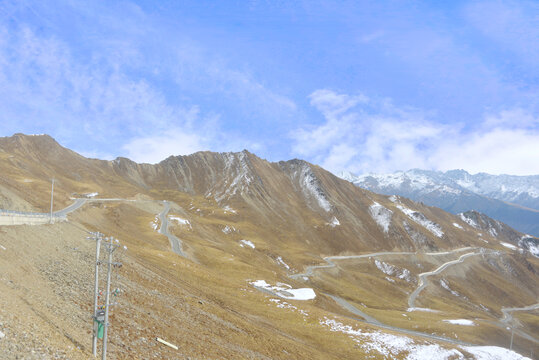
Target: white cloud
x=379, y=137
x=122, y=80
x=497, y=151
x=332, y=104
x=152, y=149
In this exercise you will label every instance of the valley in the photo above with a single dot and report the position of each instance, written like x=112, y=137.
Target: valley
x=391, y=278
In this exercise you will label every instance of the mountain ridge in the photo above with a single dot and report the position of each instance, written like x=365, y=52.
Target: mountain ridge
x=453, y=191
x=292, y=215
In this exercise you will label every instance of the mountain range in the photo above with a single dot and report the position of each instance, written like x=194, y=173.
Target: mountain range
x=232, y=256
x=511, y=199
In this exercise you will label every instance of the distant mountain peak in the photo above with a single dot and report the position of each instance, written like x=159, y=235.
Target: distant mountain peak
x=459, y=191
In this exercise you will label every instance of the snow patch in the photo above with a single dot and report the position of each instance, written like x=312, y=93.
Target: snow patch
x=510, y=246
x=493, y=353
x=334, y=222
x=311, y=186
x=281, y=261
x=530, y=243
x=445, y=285
x=422, y=309
x=460, y=322
x=468, y=221
x=381, y=215
x=155, y=223
x=179, y=220
x=391, y=270
x=457, y=226
x=244, y=243
x=285, y=291
x=390, y=346
x=228, y=229
x=284, y=305
x=228, y=209
x=237, y=167
x=422, y=220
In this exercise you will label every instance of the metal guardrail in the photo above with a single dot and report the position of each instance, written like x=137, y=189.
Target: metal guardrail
x=29, y=214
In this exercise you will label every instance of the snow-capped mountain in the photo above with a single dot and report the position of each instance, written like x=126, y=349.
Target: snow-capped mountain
x=238, y=224
x=511, y=199
x=521, y=190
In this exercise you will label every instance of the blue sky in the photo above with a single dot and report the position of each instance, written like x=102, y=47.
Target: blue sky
x=363, y=86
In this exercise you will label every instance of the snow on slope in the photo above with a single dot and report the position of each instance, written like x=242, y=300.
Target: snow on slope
x=464, y=322
x=412, y=180
x=179, y=220
x=510, y=246
x=392, y=270
x=530, y=243
x=493, y=353
x=390, y=346
x=457, y=226
x=512, y=188
x=227, y=209
x=281, y=262
x=249, y=243
x=155, y=223
x=422, y=220
x=228, y=229
x=285, y=291
x=334, y=222
x=381, y=215
x=311, y=187
x=237, y=166
x=468, y=221
x=445, y=285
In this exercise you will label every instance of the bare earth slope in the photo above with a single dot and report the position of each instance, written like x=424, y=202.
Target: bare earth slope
x=239, y=219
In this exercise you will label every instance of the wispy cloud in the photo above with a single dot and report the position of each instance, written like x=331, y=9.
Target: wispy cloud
x=147, y=80
x=377, y=136
x=123, y=84
x=157, y=147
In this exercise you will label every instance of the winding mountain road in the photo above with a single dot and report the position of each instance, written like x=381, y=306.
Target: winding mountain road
x=411, y=301
x=175, y=243
x=370, y=320
x=423, y=277
x=507, y=317
x=176, y=246
x=330, y=264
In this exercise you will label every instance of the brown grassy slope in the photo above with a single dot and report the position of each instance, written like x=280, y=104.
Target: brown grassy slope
x=279, y=198
x=46, y=290
x=275, y=210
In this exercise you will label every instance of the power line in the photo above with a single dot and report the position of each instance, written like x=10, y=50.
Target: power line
x=101, y=312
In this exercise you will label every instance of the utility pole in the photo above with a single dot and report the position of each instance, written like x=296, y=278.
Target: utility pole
x=110, y=249
x=52, y=197
x=512, y=332
x=97, y=237
x=101, y=317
